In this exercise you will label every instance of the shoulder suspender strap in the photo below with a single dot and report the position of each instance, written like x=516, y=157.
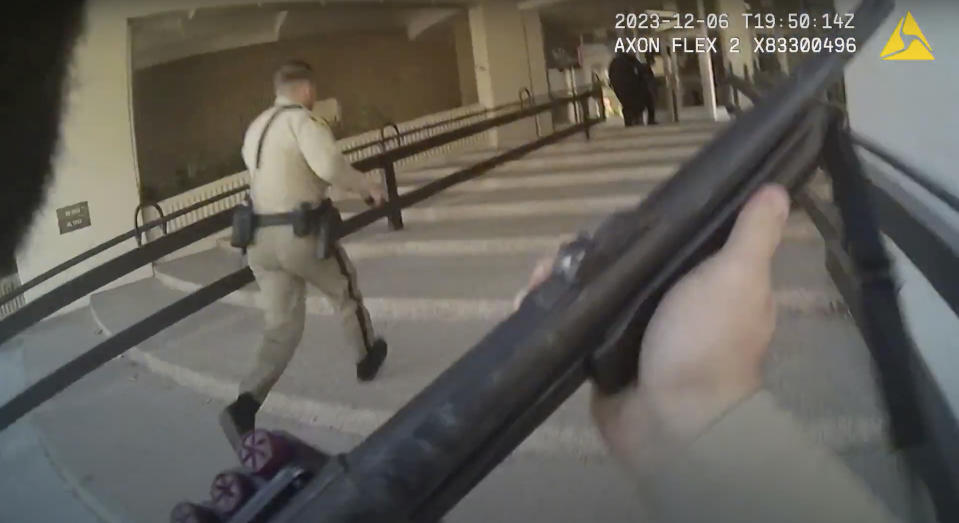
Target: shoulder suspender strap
x=266, y=128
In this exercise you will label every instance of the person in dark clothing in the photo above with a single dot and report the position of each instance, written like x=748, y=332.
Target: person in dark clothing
x=626, y=82
x=648, y=93
x=633, y=82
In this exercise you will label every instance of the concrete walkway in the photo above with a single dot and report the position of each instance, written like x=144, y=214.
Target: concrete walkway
x=32, y=486
x=140, y=433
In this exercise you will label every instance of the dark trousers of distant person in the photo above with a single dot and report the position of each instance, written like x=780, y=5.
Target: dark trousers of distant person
x=633, y=111
x=649, y=107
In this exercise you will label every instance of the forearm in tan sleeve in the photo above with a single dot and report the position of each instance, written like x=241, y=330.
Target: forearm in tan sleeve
x=755, y=465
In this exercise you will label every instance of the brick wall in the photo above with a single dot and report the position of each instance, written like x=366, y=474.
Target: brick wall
x=190, y=115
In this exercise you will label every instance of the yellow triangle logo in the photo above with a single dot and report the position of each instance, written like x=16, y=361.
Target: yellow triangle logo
x=907, y=42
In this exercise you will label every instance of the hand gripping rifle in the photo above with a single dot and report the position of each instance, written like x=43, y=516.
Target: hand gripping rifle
x=586, y=320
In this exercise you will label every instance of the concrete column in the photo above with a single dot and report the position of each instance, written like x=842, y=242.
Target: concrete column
x=706, y=69
x=536, y=61
x=464, y=60
x=737, y=29
x=502, y=62
x=674, y=82
x=96, y=160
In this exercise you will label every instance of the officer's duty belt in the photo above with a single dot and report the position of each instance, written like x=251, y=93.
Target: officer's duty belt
x=286, y=218
x=323, y=221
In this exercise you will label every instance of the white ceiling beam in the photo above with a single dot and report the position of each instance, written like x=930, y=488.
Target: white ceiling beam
x=278, y=23
x=422, y=19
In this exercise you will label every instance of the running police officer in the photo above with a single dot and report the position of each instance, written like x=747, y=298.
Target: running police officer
x=289, y=228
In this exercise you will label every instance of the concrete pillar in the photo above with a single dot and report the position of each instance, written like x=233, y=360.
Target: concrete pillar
x=673, y=81
x=706, y=69
x=464, y=60
x=536, y=60
x=737, y=29
x=501, y=55
x=96, y=159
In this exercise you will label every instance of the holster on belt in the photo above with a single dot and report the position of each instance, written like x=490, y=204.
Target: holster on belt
x=328, y=222
x=243, y=225
x=322, y=221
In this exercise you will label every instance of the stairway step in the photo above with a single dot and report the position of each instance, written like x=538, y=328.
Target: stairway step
x=212, y=350
x=818, y=369
x=799, y=227
x=615, y=129
x=138, y=443
x=507, y=184
x=653, y=171
x=595, y=162
x=574, y=145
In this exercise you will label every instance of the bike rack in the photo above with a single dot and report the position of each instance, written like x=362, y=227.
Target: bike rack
x=136, y=220
x=397, y=135
x=526, y=99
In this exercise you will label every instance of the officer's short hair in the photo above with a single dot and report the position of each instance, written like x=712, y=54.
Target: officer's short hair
x=292, y=71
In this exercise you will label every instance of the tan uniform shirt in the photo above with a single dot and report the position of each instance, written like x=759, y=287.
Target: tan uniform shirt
x=755, y=465
x=299, y=161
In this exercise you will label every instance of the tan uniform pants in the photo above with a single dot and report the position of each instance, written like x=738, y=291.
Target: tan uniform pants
x=282, y=265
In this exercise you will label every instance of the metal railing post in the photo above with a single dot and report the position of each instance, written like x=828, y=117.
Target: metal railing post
x=397, y=136
x=395, y=216
x=584, y=109
x=577, y=115
x=600, y=101
x=526, y=98
x=136, y=220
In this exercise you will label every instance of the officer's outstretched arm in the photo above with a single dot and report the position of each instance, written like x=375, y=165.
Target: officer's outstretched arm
x=319, y=148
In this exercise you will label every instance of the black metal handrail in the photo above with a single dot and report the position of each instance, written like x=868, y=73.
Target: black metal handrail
x=924, y=422
x=486, y=110
x=433, y=125
x=127, y=262
x=52, y=384
x=163, y=220
x=931, y=244
x=116, y=240
x=912, y=173
x=453, y=135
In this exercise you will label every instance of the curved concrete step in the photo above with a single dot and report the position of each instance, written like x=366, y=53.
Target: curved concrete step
x=480, y=286
x=615, y=129
x=580, y=162
x=599, y=178
x=648, y=171
x=818, y=368
x=579, y=144
x=34, y=484
x=136, y=442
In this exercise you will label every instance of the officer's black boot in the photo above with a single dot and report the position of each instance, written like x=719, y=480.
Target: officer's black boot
x=367, y=368
x=237, y=419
